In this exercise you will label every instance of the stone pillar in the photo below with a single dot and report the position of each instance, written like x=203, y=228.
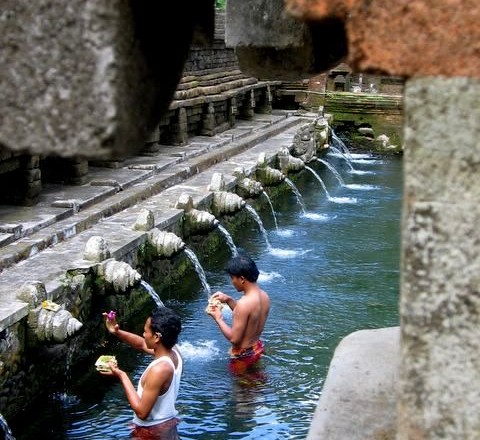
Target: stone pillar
x=248, y=107
x=208, y=121
x=179, y=129
x=232, y=111
x=151, y=142
x=32, y=178
x=265, y=104
x=78, y=171
x=440, y=279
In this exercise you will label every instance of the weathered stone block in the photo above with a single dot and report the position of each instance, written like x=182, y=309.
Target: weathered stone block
x=88, y=78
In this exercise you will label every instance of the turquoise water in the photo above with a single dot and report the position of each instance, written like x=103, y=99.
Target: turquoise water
x=330, y=270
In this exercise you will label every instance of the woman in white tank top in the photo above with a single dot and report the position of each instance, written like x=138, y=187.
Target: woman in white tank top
x=153, y=402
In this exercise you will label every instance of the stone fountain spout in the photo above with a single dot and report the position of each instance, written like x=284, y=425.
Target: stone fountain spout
x=288, y=163
x=195, y=221
x=225, y=202
x=267, y=175
x=322, y=134
x=119, y=274
x=304, y=144
x=198, y=222
x=47, y=321
x=247, y=187
x=165, y=243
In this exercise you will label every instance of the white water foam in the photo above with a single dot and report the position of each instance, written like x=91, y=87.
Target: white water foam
x=318, y=217
x=361, y=186
x=368, y=161
x=287, y=253
x=266, y=277
x=343, y=200
x=286, y=232
x=200, y=350
x=359, y=172
x=360, y=156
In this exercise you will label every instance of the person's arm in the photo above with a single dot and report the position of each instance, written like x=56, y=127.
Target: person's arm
x=132, y=339
x=233, y=334
x=156, y=380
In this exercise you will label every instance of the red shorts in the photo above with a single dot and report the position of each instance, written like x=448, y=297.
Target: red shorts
x=163, y=431
x=241, y=359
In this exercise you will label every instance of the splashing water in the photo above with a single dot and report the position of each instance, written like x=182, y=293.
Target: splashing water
x=271, y=207
x=201, y=350
x=198, y=269
x=297, y=194
x=266, y=277
x=361, y=186
x=333, y=170
x=329, y=197
x=152, y=293
x=228, y=237
x=338, y=153
x=5, y=429
x=257, y=218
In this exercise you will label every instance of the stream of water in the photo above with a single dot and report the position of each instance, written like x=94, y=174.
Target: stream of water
x=330, y=268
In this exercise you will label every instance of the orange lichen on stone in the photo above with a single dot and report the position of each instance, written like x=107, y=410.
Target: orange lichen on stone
x=407, y=38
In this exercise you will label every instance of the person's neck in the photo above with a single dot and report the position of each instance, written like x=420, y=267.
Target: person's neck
x=250, y=288
x=160, y=351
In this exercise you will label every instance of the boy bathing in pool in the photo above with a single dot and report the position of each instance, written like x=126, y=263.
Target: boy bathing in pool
x=249, y=314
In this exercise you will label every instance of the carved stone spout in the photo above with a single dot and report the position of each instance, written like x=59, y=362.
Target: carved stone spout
x=47, y=321
x=197, y=221
x=289, y=163
x=119, y=274
x=165, y=243
x=226, y=203
x=304, y=144
x=322, y=133
x=267, y=175
x=247, y=187
x=56, y=325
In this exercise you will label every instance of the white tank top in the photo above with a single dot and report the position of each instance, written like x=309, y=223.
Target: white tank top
x=164, y=407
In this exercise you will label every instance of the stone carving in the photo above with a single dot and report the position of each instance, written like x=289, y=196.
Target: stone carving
x=96, y=249
x=119, y=274
x=200, y=221
x=217, y=183
x=225, y=202
x=322, y=130
x=185, y=202
x=145, y=220
x=165, y=243
x=47, y=320
x=56, y=325
x=247, y=187
x=304, y=145
x=289, y=163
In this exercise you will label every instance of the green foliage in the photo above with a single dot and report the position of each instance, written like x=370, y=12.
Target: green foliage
x=220, y=4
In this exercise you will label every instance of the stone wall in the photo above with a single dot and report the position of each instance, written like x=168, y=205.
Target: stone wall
x=209, y=96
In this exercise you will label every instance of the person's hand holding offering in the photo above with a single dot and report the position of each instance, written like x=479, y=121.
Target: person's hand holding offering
x=111, y=321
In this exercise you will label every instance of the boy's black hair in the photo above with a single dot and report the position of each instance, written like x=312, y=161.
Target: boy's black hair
x=166, y=322
x=243, y=266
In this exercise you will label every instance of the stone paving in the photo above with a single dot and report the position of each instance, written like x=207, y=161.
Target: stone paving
x=41, y=243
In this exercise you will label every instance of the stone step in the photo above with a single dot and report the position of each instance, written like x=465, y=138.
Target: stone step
x=94, y=204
